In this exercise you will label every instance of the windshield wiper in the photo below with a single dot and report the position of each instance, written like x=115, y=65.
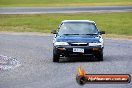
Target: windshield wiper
x=89, y=34
x=79, y=34
x=71, y=34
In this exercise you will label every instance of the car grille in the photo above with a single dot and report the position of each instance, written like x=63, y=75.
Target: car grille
x=79, y=44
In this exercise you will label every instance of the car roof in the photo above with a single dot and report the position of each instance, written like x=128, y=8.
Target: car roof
x=78, y=21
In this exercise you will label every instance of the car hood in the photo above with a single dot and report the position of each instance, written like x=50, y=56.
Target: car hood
x=87, y=38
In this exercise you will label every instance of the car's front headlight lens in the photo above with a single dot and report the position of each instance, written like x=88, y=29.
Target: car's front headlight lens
x=95, y=44
x=61, y=43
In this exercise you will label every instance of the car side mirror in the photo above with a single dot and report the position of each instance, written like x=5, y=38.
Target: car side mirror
x=53, y=31
x=102, y=32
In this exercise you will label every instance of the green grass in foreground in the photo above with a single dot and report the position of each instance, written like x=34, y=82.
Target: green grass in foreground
x=112, y=23
x=63, y=2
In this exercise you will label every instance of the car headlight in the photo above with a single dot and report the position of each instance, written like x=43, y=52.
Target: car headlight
x=95, y=44
x=61, y=43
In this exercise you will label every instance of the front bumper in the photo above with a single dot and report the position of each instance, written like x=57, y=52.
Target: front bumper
x=67, y=51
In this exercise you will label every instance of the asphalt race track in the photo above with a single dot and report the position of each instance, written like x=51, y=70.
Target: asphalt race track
x=37, y=70
x=38, y=10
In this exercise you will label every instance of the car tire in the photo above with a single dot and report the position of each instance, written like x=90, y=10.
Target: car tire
x=56, y=56
x=100, y=56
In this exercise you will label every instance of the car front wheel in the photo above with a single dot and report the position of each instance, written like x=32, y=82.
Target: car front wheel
x=100, y=56
x=56, y=56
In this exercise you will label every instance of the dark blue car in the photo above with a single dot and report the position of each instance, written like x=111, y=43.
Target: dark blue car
x=77, y=38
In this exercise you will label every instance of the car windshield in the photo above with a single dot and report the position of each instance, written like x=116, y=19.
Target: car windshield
x=77, y=28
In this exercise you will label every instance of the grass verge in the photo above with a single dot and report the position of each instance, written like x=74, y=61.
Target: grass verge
x=64, y=2
x=113, y=23
x=117, y=36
